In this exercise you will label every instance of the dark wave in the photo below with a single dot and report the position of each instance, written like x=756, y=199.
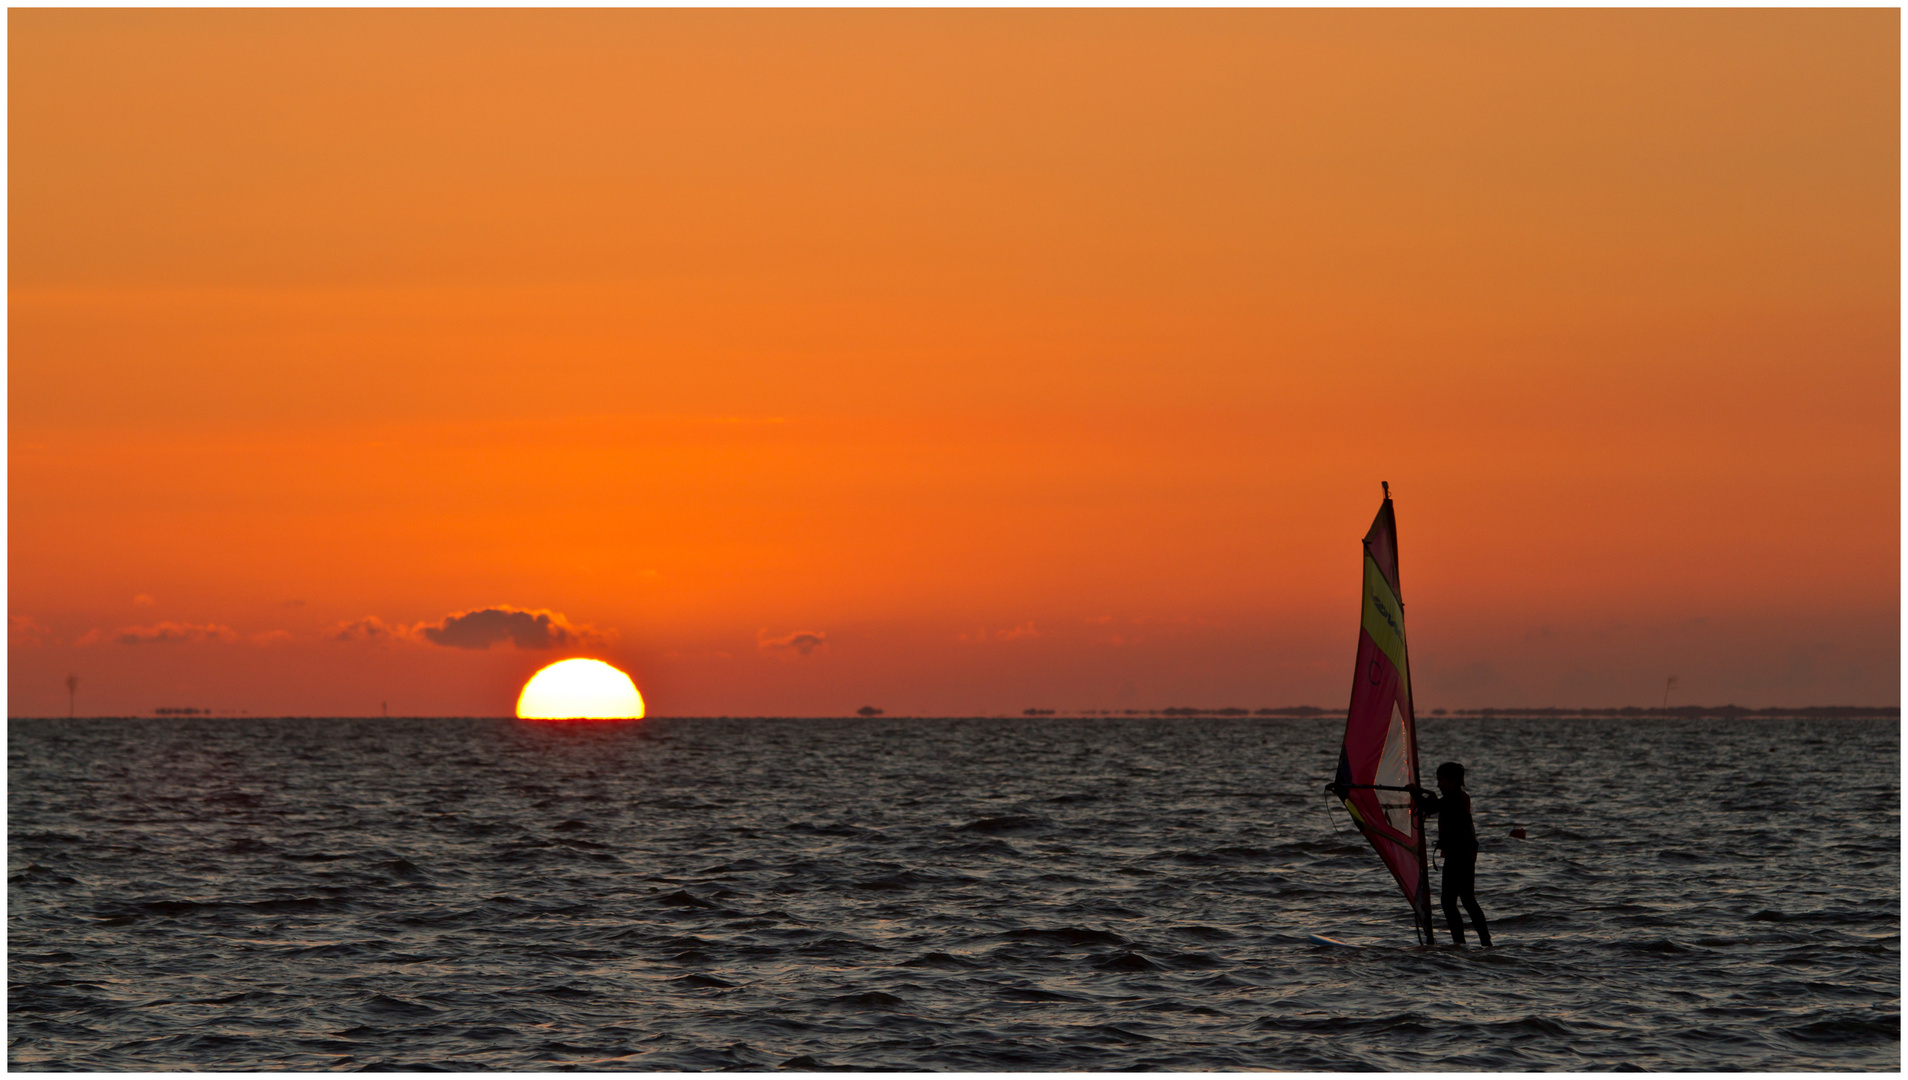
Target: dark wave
x=1012, y=823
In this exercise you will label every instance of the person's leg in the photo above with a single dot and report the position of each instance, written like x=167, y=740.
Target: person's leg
x=1467, y=893
x=1453, y=876
x=1477, y=919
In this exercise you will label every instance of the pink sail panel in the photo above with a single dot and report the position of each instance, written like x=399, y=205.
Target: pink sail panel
x=1379, y=758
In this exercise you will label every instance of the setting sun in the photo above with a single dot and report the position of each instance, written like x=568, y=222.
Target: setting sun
x=579, y=690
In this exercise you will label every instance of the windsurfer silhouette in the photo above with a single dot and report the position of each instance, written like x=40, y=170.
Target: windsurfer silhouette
x=1457, y=838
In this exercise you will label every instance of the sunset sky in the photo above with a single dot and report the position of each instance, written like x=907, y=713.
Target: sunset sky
x=949, y=362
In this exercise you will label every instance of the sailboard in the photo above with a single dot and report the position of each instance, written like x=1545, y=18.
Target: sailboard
x=1321, y=939
x=1378, y=761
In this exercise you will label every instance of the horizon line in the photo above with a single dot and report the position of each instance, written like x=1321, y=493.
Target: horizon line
x=1296, y=712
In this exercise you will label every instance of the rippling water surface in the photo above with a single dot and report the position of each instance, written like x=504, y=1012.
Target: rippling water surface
x=936, y=894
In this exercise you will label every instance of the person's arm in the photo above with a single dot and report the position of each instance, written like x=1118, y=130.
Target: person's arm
x=1427, y=802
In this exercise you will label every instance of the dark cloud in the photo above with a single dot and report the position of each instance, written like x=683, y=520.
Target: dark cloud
x=172, y=633
x=492, y=626
x=369, y=628
x=25, y=631
x=801, y=641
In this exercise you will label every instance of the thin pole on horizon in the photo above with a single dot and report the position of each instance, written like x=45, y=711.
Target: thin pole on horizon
x=72, y=691
x=1667, y=683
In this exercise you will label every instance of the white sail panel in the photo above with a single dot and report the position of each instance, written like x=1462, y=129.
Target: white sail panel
x=1395, y=770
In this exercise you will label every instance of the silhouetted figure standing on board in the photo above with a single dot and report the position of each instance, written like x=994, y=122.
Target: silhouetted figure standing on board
x=1457, y=838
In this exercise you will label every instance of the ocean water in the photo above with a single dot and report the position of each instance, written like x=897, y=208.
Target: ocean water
x=936, y=895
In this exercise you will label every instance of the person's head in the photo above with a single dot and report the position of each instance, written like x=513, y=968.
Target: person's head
x=1450, y=776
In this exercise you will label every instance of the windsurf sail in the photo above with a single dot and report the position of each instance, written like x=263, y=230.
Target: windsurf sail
x=1378, y=763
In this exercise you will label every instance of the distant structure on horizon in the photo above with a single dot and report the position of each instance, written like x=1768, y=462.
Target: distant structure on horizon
x=1707, y=712
x=1691, y=712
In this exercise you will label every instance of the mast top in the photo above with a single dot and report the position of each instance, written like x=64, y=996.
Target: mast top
x=1386, y=484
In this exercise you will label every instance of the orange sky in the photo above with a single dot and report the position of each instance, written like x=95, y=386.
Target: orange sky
x=1018, y=358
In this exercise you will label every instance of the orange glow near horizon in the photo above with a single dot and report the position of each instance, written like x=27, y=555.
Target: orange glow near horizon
x=951, y=362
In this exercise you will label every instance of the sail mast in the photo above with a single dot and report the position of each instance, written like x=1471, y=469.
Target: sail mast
x=1423, y=903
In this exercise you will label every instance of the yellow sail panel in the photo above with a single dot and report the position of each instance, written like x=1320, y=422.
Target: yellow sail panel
x=1384, y=621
